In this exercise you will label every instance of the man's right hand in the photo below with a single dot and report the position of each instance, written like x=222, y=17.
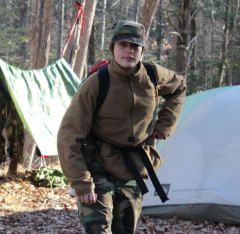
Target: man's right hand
x=88, y=198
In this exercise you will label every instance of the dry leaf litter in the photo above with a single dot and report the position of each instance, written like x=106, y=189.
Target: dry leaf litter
x=26, y=208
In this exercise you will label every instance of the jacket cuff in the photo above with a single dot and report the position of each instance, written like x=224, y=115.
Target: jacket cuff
x=84, y=187
x=166, y=132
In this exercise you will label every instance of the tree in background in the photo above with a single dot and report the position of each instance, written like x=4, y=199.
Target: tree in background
x=204, y=26
x=41, y=18
x=81, y=56
x=14, y=40
x=149, y=10
x=60, y=19
x=234, y=56
x=225, y=41
x=14, y=48
x=44, y=35
x=77, y=50
x=92, y=48
x=40, y=33
x=186, y=31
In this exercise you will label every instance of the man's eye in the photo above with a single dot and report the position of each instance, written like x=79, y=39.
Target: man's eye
x=124, y=44
x=134, y=46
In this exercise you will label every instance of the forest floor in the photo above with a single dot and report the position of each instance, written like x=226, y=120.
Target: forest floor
x=26, y=208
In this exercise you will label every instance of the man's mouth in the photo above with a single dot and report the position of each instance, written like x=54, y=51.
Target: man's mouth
x=129, y=58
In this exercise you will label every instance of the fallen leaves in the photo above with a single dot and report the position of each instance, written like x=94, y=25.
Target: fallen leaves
x=25, y=208
x=150, y=225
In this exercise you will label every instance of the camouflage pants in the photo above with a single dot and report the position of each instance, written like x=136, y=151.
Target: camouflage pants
x=118, y=205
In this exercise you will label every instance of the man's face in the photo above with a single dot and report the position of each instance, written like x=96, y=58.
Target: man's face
x=127, y=55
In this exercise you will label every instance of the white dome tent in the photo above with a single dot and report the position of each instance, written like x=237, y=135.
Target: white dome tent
x=201, y=160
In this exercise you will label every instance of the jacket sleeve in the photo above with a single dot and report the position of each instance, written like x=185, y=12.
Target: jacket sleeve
x=172, y=88
x=75, y=126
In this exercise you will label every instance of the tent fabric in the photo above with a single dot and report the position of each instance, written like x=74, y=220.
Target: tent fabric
x=212, y=212
x=41, y=97
x=200, y=170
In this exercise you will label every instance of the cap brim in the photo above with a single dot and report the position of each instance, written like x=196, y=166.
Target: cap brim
x=134, y=40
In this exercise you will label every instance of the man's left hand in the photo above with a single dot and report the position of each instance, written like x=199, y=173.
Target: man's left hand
x=157, y=135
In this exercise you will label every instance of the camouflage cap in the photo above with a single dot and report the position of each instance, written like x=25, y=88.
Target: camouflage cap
x=128, y=31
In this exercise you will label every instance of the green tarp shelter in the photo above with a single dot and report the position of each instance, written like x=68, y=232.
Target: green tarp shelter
x=41, y=97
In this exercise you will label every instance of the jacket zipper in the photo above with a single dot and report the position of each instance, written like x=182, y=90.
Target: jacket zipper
x=131, y=137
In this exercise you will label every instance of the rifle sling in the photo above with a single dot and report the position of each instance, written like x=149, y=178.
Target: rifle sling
x=131, y=166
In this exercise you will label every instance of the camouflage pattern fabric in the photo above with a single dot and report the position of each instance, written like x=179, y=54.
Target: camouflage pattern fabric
x=2, y=140
x=129, y=31
x=118, y=205
x=3, y=120
x=12, y=133
x=15, y=135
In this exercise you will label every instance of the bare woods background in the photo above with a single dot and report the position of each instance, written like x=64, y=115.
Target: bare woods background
x=196, y=37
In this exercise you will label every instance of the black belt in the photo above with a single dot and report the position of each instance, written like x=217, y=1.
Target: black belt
x=131, y=166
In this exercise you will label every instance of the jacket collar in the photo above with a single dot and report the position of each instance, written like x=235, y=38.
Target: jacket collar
x=114, y=68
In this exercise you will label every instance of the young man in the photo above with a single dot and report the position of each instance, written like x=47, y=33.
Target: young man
x=110, y=199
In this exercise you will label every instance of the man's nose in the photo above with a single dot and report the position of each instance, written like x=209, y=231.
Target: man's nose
x=129, y=47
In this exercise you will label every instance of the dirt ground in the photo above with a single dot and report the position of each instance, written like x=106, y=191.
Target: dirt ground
x=25, y=208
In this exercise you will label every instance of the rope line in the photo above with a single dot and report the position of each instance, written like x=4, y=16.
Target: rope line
x=80, y=11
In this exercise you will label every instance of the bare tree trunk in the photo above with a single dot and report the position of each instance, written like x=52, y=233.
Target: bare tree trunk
x=122, y=7
x=92, y=47
x=160, y=33
x=206, y=80
x=183, y=29
x=70, y=48
x=83, y=42
x=193, y=34
x=103, y=24
x=35, y=25
x=45, y=39
x=222, y=66
x=34, y=34
x=234, y=30
x=60, y=32
x=149, y=10
x=73, y=44
x=25, y=13
x=210, y=83
x=40, y=18
x=39, y=49
x=76, y=43
x=136, y=9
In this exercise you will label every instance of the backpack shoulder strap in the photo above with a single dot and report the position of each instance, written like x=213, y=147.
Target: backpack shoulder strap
x=150, y=72
x=103, y=78
x=153, y=78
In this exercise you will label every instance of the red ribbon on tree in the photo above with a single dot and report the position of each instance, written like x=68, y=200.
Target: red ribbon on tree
x=80, y=11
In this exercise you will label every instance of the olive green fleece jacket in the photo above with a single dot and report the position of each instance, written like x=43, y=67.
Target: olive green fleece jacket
x=124, y=119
